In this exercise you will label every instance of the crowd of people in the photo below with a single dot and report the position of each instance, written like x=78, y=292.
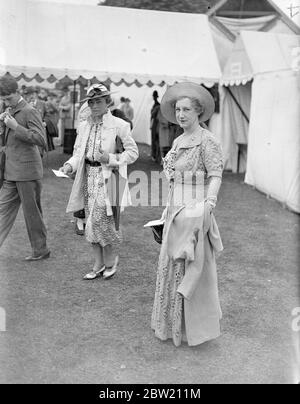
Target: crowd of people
x=55, y=108
x=186, y=304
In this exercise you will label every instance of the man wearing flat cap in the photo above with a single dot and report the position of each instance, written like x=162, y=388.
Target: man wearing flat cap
x=23, y=168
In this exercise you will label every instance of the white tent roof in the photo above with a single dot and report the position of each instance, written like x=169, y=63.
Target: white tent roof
x=260, y=52
x=106, y=42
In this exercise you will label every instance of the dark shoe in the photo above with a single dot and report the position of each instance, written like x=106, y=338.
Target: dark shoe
x=110, y=271
x=39, y=257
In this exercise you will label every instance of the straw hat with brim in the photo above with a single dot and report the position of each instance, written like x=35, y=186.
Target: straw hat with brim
x=190, y=90
x=96, y=91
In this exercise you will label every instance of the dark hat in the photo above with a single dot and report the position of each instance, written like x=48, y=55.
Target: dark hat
x=191, y=90
x=29, y=90
x=96, y=91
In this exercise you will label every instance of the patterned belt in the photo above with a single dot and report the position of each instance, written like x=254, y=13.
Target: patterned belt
x=93, y=163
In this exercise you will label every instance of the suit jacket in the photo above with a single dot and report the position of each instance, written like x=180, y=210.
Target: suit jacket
x=23, y=161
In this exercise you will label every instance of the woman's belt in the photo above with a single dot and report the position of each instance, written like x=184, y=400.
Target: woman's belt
x=92, y=163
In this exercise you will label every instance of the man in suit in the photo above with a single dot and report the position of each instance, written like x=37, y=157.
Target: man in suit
x=23, y=169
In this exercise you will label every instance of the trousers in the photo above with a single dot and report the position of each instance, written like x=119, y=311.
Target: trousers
x=27, y=193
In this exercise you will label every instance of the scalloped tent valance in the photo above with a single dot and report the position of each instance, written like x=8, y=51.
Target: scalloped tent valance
x=55, y=40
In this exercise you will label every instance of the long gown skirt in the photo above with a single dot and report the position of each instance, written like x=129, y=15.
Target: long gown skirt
x=167, y=315
x=168, y=312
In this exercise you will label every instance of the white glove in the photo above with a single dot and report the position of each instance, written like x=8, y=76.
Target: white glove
x=66, y=169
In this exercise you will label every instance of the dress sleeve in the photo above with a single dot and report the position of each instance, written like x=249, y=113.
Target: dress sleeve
x=213, y=157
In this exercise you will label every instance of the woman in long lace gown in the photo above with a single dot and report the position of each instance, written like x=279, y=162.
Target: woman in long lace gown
x=186, y=304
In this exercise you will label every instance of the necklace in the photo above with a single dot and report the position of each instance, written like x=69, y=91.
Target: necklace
x=192, y=135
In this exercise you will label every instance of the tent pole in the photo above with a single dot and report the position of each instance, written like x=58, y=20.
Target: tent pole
x=238, y=105
x=74, y=89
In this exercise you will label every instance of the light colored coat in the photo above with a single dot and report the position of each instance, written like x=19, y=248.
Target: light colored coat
x=111, y=127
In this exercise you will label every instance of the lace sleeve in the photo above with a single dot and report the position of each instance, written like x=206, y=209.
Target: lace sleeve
x=213, y=157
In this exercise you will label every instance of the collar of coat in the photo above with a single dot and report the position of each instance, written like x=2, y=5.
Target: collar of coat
x=21, y=104
x=108, y=120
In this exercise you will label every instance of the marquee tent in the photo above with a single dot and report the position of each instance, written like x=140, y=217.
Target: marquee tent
x=123, y=45
x=232, y=123
x=273, y=163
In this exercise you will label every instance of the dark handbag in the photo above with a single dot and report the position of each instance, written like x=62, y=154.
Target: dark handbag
x=119, y=145
x=158, y=233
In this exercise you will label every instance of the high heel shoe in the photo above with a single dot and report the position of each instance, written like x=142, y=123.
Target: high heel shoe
x=110, y=271
x=94, y=274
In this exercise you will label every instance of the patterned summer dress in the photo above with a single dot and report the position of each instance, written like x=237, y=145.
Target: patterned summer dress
x=100, y=228
x=168, y=314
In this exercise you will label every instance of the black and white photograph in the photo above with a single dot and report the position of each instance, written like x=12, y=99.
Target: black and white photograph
x=149, y=194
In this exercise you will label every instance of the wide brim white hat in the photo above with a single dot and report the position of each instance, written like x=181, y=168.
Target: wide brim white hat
x=186, y=89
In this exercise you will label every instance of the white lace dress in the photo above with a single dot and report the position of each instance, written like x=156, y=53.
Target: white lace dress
x=203, y=154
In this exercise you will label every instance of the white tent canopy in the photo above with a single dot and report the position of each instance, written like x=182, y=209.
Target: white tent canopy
x=105, y=42
x=273, y=163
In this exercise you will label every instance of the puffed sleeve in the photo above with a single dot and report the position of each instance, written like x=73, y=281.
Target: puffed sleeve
x=130, y=153
x=213, y=157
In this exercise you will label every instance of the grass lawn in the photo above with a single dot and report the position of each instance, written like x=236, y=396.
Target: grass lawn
x=62, y=329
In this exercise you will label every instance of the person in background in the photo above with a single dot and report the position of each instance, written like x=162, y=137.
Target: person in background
x=155, y=128
x=31, y=96
x=53, y=100
x=121, y=104
x=164, y=135
x=186, y=303
x=51, y=121
x=120, y=114
x=65, y=119
x=94, y=158
x=23, y=170
x=43, y=94
x=128, y=110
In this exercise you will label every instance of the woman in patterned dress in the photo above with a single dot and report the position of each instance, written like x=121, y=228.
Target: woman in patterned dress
x=186, y=304
x=93, y=161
